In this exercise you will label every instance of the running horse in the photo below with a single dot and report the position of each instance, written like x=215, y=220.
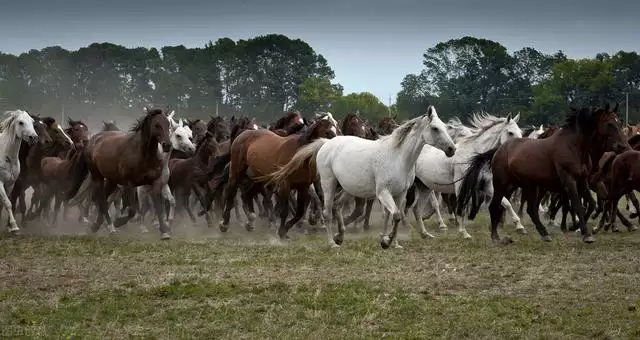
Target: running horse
x=129, y=159
x=14, y=129
x=560, y=163
x=256, y=154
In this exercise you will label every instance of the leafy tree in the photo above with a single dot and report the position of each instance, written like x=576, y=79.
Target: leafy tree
x=366, y=103
x=317, y=94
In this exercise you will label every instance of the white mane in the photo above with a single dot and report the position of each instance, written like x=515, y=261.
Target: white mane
x=481, y=123
x=11, y=116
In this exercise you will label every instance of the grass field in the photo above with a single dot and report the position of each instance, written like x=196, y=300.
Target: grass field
x=240, y=285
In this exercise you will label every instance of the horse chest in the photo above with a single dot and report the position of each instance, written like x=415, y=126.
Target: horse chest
x=9, y=170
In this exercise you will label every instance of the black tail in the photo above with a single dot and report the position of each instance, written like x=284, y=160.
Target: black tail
x=470, y=181
x=78, y=173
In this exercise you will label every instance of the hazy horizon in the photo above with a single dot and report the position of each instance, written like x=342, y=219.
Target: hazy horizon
x=370, y=46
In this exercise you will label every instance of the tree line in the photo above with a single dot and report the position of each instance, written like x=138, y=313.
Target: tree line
x=267, y=74
x=466, y=75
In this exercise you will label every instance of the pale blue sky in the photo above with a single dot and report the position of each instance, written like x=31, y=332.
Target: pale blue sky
x=371, y=45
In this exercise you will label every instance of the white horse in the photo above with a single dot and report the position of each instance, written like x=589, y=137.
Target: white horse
x=15, y=128
x=443, y=174
x=382, y=168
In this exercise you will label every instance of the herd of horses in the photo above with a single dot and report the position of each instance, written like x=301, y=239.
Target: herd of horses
x=319, y=168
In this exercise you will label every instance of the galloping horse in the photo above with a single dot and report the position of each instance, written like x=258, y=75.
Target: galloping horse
x=442, y=174
x=256, y=154
x=383, y=168
x=15, y=128
x=559, y=163
x=128, y=159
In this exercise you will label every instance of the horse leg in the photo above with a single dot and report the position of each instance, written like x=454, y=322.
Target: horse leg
x=329, y=184
x=6, y=202
x=514, y=217
x=367, y=214
x=636, y=205
x=358, y=210
x=388, y=202
x=530, y=195
x=247, y=195
x=158, y=204
x=435, y=203
x=572, y=187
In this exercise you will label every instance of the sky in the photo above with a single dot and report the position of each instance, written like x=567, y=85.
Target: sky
x=370, y=44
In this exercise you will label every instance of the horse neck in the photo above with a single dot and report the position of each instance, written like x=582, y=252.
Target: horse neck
x=10, y=145
x=148, y=148
x=408, y=152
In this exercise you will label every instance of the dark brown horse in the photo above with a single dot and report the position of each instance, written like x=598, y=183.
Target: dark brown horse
x=188, y=175
x=198, y=127
x=559, y=163
x=622, y=178
x=288, y=124
x=128, y=159
x=19, y=187
x=387, y=125
x=218, y=127
x=78, y=132
x=258, y=155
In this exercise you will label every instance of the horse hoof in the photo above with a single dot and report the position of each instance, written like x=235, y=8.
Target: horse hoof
x=333, y=245
x=546, y=238
x=506, y=240
x=397, y=246
x=385, y=242
x=338, y=238
x=615, y=229
x=443, y=227
x=248, y=226
x=14, y=231
x=588, y=239
x=426, y=235
x=223, y=228
x=466, y=235
x=633, y=228
x=85, y=220
x=165, y=236
x=521, y=230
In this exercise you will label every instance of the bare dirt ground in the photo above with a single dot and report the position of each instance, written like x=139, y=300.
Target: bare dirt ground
x=56, y=282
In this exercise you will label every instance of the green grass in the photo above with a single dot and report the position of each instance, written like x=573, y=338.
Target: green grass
x=241, y=286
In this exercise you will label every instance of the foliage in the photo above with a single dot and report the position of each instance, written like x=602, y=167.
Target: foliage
x=470, y=74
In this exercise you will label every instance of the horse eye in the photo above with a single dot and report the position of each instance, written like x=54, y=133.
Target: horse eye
x=434, y=129
x=510, y=133
x=179, y=137
x=21, y=123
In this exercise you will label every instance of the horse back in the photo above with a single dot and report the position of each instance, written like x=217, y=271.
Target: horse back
x=526, y=159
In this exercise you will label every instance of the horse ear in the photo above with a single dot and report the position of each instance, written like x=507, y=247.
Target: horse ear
x=615, y=108
x=541, y=127
x=170, y=115
x=517, y=117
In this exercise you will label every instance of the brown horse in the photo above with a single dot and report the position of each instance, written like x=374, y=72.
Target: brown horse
x=198, y=127
x=559, y=163
x=387, y=125
x=623, y=178
x=257, y=155
x=219, y=128
x=78, y=132
x=18, y=191
x=288, y=124
x=33, y=176
x=188, y=175
x=129, y=159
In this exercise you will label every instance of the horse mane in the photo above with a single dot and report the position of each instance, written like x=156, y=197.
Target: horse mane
x=213, y=123
x=348, y=118
x=48, y=121
x=280, y=123
x=399, y=135
x=203, y=141
x=326, y=115
x=481, y=123
x=305, y=135
x=237, y=128
x=549, y=131
x=140, y=122
x=11, y=117
x=578, y=119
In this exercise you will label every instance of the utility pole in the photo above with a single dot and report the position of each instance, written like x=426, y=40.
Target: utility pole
x=626, y=116
x=216, y=109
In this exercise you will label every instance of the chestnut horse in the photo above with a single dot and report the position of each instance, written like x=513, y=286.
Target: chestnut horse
x=129, y=159
x=258, y=154
x=560, y=163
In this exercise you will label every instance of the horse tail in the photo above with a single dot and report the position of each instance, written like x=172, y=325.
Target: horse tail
x=304, y=156
x=471, y=179
x=78, y=172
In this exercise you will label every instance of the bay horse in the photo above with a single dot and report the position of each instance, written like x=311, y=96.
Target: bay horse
x=623, y=178
x=15, y=128
x=33, y=174
x=129, y=159
x=559, y=163
x=256, y=154
x=18, y=191
x=383, y=168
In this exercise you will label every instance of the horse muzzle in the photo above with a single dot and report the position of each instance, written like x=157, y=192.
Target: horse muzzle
x=32, y=140
x=166, y=146
x=450, y=151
